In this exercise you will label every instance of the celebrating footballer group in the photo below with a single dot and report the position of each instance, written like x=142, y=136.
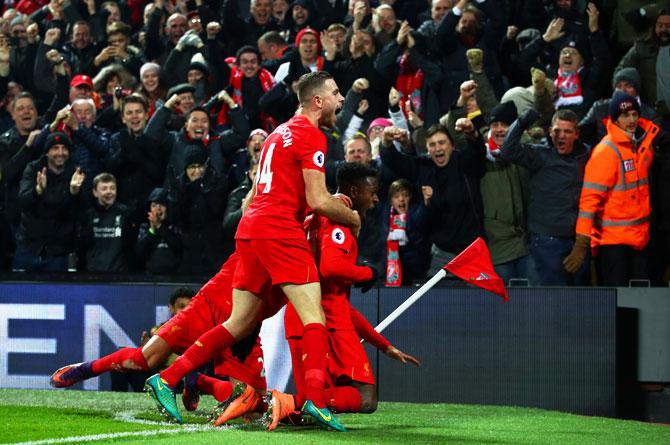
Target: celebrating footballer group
x=290, y=225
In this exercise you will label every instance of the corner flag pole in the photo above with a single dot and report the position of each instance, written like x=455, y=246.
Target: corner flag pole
x=411, y=300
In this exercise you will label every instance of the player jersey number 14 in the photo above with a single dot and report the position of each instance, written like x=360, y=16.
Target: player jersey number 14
x=265, y=175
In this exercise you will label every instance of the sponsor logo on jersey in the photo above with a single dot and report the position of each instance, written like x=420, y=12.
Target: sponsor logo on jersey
x=337, y=236
x=319, y=159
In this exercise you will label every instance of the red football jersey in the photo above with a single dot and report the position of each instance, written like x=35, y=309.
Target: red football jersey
x=279, y=207
x=335, y=250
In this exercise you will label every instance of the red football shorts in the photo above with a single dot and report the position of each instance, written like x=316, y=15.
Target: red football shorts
x=266, y=262
x=250, y=371
x=347, y=360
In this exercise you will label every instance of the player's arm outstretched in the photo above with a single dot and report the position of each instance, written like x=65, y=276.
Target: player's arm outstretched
x=325, y=204
x=368, y=333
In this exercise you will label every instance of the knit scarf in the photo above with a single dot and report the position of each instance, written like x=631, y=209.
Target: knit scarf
x=397, y=222
x=492, y=150
x=568, y=88
x=236, y=77
x=409, y=82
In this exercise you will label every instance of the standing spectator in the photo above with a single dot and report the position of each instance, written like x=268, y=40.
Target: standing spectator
x=274, y=51
x=50, y=205
x=464, y=27
x=652, y=62
x=159, y=243
x=81, y=50
x=428, y=29
x=248, y=82
x=504, y=189
x=448, y=179
x=581, y=62
x=151, y=86
x=196, y=199
x=243, y=157
x=406, y=245
x=119, y=50
x=614, y=208
x=240, y=31
x=307, y=59
x=105, y=237
x=217, y=147
x=556, y=170
x=90, y=143
x=157, y=44
x=137, y=161
x=627, y=80
x=17, y=149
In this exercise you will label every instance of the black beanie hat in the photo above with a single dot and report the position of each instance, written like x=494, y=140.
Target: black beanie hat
x=504, y=112
x=621, y=103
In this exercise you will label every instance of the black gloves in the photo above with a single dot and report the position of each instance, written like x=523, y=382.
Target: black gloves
x=367, y=285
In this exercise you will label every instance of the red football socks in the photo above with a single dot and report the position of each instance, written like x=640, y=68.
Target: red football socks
x=125, y=359
x=343, y=399
x=220, y=389
x=202, y=351
x=314, y=349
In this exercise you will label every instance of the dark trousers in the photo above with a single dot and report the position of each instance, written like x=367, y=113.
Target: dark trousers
x=618, y=263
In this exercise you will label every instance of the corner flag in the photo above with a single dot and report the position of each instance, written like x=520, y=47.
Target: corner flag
x=474, y=266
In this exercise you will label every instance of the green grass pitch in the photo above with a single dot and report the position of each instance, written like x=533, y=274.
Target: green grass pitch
x=56, y=417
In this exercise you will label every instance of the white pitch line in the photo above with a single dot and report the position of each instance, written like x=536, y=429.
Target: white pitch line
x=97, y=437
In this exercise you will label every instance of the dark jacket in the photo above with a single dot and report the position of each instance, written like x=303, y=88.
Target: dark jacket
x=161, y=252
x=105, y=237
x=14, y=157
x=218, y=149
x=48, y=221
x=455, y=210
x=232, y=215
x=138, y=163
x=555, y=180
x=197, y=208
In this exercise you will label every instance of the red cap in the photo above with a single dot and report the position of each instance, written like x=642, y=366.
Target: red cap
x=308, y=31
x=81, y=79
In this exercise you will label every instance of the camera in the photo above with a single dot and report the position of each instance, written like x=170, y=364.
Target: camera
x=120, y=92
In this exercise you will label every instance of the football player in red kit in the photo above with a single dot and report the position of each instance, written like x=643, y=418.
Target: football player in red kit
x=210, y=307
x=351, y=386
x=273, y=250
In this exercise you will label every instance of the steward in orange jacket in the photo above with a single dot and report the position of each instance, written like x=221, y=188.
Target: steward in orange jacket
x=614, y=208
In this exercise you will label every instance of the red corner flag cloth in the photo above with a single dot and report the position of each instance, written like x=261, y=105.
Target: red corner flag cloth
x=474, y=266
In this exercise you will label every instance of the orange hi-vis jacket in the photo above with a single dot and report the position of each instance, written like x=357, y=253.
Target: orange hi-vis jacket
x=614, y=206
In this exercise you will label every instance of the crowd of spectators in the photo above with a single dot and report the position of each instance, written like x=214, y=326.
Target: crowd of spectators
x=130, y=130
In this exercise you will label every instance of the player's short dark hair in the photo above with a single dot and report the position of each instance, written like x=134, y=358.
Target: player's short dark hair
x=181, y=292
x=103, y=177
x=310, y=83
x=438, y=128
x=22, y=95
x=354, y=174
x=273, y=38
x=247, y=49
x=565, y=115
x=134, y=98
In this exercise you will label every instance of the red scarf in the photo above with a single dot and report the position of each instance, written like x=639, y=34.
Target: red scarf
x=393, y=265
x=236, y=76
x=409, y=82
x=492, y=150
x=568, y=88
